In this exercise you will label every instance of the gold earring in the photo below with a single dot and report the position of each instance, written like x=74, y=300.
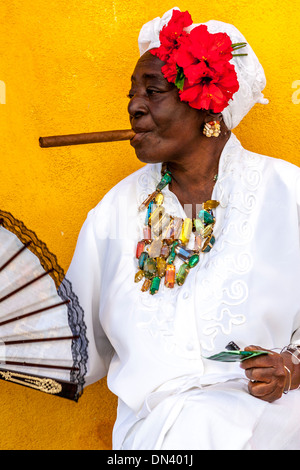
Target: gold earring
x=212, y=129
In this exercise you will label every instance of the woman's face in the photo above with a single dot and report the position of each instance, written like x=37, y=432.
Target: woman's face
x=166, y=128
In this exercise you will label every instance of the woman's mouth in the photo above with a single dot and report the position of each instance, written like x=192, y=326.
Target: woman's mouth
x=138, y=137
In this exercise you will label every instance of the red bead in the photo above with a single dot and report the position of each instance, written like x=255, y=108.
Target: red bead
x=139, y=249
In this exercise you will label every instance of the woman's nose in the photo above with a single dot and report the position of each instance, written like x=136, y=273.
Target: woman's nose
x=137, y=106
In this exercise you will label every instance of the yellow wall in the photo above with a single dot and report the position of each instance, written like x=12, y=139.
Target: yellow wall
x=66, y=68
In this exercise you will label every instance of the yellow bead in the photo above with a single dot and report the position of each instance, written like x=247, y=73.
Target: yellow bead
x=139, y=276
x=161, y=265
x=186, y=230
x=156, y=215
x=159, y=199
x=146, y=285
x=211, y=204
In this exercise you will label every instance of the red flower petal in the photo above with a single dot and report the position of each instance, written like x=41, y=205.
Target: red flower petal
x=210, y=79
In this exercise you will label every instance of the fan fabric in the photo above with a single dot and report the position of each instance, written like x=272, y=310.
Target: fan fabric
x=42, y=331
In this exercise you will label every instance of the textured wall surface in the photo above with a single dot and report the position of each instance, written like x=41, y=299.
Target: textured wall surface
x=65, y=68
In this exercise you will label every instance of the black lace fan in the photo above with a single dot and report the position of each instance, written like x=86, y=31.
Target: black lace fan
x=43, y=342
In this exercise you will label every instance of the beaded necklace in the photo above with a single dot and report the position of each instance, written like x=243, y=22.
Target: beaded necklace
x=166, y=237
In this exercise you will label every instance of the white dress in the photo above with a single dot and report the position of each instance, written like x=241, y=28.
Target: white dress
x=153, y=349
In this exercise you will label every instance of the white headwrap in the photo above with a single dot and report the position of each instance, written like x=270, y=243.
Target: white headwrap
x=249, y=71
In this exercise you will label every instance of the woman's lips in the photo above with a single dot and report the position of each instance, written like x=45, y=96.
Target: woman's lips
x=139, y=135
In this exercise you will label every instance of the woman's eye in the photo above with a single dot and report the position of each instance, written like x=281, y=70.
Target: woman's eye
x=150, y=91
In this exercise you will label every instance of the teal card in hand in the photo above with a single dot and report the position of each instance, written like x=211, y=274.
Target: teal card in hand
x=235, y=356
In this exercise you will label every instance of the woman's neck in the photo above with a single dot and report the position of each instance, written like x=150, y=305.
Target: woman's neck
x=194, y=176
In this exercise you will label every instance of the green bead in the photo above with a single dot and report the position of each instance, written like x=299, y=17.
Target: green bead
x=193, y=261
x=171, y=257
x=155, y=285
x=166, y=179
x=149, y=268
x=208, y=244
x=206, y=217
x=142, y=259
x=198, y=224
x=182, y=274
x=172, y=254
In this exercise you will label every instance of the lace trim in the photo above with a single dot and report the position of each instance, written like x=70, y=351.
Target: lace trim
x=64, y=289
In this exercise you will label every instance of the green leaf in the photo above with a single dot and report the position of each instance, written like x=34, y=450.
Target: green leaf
x=238, y=45
x=179, y=81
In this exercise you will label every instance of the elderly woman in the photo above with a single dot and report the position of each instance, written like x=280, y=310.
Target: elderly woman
x=198, y=249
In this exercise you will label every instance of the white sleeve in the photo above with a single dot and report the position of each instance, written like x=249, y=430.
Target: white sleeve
x=85, y=276
x=296, y=333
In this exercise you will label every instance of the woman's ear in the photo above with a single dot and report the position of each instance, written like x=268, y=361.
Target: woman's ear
x=213, y=117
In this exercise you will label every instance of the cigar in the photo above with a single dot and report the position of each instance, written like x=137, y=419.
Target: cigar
x=88, y=138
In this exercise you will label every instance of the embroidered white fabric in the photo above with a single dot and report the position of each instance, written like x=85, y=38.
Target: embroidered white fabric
x=154, y=348
x=250, y=72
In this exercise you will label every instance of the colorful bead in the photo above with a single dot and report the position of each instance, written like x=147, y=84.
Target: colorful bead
x=146, y=285
x=139, y=249
x=165, y=251
x=177, y=226
x=159, y=199
x=198, y=243
x=193, y=261
x=139, y=276
x=160, y=224
x=161, y=265
x=142, y=259
x=155, y=248
x=183, y=253
x=155, y=285
x=168, y=230
x=165, y=237
x=211, y=204
x=166, y=179
x=182, y=274
x=202, y=229
x=148, y=213
x=147, y=233
x=172, y=254
x=156, y=215
x=186, y=230
x=208, y=244
x=198, y=224
x=170, y=276
x=147, y=201
x=149, y=268
x=206, y=217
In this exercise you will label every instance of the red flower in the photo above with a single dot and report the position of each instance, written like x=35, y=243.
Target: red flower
x=169, y=70
x=198, y=63
x=211, y=92
x=171, y=34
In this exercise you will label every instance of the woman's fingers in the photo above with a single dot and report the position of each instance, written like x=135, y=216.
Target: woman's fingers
x=259, y=374
x=266, y=373
x=265, y=391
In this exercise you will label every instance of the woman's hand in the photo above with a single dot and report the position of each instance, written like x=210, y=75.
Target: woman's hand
x=268, y=377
